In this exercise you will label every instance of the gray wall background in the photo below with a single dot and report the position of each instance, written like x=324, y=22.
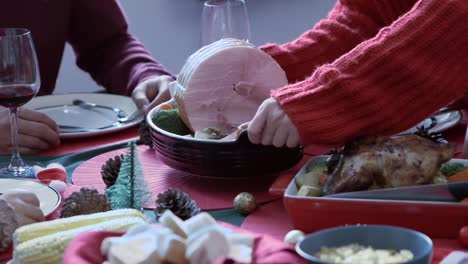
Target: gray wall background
x=170, y=30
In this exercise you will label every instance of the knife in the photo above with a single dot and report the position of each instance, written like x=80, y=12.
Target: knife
x=445, y=192
x=77, y=129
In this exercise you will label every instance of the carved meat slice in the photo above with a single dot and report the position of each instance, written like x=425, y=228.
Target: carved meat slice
x=384, y=162
x=222, y=85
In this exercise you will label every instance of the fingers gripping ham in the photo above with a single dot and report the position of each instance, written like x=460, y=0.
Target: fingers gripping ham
x=222, y=85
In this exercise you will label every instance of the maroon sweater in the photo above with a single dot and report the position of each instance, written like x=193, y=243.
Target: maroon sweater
x=374, y=67
x=97, y=31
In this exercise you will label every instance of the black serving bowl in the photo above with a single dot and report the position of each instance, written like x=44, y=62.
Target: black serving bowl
x=375, y=236
x=237, y=158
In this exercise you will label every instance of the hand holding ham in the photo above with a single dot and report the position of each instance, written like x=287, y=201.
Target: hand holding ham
x=26, y=206
x=152, y=92
x=272, y=126
x=36, y=131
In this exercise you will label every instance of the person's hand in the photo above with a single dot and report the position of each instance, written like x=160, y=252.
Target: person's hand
x=151, y=92
x=272, y=126
x=36, y=131
x=26, y=206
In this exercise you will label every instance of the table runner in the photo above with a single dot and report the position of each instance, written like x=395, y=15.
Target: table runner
x=209, y=192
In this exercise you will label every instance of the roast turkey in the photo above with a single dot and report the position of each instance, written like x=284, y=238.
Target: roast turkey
x=385, y=162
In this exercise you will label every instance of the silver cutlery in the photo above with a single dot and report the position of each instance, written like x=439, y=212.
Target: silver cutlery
x=122, y=117
x=133, y=116
x=75, y=129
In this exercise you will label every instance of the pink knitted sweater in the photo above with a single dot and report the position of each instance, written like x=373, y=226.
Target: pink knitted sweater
x=374, y=67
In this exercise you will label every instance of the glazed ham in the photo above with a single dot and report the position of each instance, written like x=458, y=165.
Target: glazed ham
x=222, y=85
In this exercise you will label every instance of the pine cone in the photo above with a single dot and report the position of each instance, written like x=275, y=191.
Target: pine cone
x=110, y=170
x=178, y=202
x=145, y=135
x=85, y=201
x=8, y=224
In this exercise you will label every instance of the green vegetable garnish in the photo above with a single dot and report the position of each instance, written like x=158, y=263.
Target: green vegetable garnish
x=320, y=166
x=449, y=169
x=170, y=121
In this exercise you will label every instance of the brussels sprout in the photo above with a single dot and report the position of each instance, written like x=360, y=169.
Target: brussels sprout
x=451, y=168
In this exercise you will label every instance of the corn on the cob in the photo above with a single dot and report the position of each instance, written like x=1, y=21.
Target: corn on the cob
x=32, y=231
x=50, y=248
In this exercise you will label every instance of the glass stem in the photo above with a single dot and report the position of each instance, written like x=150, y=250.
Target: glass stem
x=16, y=160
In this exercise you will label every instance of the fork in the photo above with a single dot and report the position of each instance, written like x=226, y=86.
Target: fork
x=122, y=117
x=133, y=116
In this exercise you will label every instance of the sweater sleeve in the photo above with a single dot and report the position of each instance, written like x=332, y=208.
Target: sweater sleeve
x=98, y=33
x=348, y=23
x=388, y=83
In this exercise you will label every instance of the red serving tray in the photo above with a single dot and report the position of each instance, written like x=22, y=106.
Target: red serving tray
x=309, y=214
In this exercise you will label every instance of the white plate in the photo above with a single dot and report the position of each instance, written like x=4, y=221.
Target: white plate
x=438, y=122
x=49, y=198
x=97, y=121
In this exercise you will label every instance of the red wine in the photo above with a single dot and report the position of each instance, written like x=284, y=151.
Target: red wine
x=15, y=95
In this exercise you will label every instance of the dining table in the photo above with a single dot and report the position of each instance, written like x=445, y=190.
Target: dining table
x=270, y=219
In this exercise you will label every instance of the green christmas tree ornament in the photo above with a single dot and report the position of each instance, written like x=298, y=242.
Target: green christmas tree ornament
x=129, y=190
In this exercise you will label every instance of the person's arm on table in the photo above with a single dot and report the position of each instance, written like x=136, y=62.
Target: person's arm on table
x=385, y=84
x=116, y=60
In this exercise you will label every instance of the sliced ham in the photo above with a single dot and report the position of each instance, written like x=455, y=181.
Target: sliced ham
x=222, y=85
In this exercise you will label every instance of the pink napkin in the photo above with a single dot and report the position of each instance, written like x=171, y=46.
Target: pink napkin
x=269, y=250
x=210, y=193
x=85, y=249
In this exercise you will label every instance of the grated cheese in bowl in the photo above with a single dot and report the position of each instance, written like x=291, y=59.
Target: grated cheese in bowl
x=358, y=254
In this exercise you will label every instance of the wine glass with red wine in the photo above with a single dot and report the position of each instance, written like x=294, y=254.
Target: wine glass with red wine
x=19, y=83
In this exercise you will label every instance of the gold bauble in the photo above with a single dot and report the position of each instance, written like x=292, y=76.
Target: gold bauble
x=245, y=203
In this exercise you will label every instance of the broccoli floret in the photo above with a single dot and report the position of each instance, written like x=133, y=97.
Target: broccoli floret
x=170, y=121
x=449, y=169
x=319, y=166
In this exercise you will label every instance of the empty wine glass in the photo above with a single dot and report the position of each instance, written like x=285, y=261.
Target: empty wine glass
x=224, y=19
x=19, y=83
